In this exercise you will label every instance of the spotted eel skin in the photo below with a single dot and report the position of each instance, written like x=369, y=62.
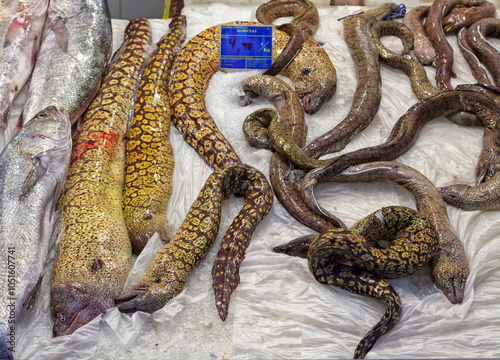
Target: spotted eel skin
x=149, y=154
x=413, y=242
x=171, y=266
x=450, y=267
x=93, y=257
x=311, y=71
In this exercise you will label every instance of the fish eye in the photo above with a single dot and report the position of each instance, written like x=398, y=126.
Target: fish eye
x=62, y=319
x=42, y=115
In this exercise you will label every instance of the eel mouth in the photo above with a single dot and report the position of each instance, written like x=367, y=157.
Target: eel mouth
x=72, y=307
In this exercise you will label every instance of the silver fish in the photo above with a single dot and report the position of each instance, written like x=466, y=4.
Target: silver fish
x=76, y=46
x=33, y=169
x=21, y=27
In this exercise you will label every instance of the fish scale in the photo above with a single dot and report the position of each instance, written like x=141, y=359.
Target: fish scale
x=93, y=257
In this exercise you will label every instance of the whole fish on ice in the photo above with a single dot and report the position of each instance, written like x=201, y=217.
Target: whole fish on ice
x=21, y=27
x=75, y=48
x=33, y=168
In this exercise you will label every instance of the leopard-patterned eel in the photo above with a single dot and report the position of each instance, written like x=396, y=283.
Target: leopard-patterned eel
x=171, y=266
x=149, y=154
x=413, y=242
x=94, y=255
x=311, y=72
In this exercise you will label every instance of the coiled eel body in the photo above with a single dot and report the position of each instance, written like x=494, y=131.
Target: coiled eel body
x=93, y=257
x=413, y=242
x=450, y=267
x=149, y=154
x=367, y=96
x=171, y=266
x=304, y=12
x=291, y=139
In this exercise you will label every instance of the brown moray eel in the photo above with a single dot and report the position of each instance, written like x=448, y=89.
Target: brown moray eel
x=367, y=96
x=93, y=257
x=413, y=242
x=478, y=70
x=422, y=47
x=483, y=49
x=311, y=72
x=149, y=155
x=405, y=132
x=288, y=106
x=420, y=83
x=463, y=16
x=171, y=266
x=304, y=12
x=434, y=29
x=450, y=267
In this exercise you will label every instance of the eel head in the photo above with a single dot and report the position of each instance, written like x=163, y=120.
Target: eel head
x=71, y=308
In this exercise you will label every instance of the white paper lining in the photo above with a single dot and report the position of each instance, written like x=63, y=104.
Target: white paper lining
x=279, y=310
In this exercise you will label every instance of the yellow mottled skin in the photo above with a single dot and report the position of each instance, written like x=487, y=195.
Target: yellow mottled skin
x=311, y=71
x=172, y=265
x=149, y=154
x=94, y=254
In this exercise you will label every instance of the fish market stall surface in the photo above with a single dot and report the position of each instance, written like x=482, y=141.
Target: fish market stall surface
x=279, y=310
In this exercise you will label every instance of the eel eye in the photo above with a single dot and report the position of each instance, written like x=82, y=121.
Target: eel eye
x=306, y=71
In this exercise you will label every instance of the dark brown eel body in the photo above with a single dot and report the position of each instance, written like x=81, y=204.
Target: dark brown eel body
x=366, y=100
x=172, y=265
x=288, y=106
x=405, y=132
x=435, y=32
x=149, y=161
x=196, y=62
x=420, y=83
x=450, y=267
x=463, y=16
x=474, y=40
x=422, y=48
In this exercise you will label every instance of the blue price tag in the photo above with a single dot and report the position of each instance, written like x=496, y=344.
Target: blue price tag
x=246, y=47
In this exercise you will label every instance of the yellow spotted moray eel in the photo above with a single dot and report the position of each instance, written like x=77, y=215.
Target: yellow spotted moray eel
x=413, y=242
x=149, y=154
x=450, y=267
x=314, y=78
x=94, y=254
x=171, y=266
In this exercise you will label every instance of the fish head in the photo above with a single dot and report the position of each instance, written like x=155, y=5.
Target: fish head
x=48, y=132
x=313, y=75
x=450, y=279
x=72, y=307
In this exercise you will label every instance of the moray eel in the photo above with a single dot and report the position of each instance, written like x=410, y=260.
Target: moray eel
x=311, y=72
x=412, y=243
x=304, y=12
x=305, y=22
x=287, y=104
x=149, y=154
x=366, y=100
x=405, y=132
x=423, y=50
x=450, y=267
x=482, y=49
x=93, y=257
x=171, y=266
x=435, y=32
x=463, y=16
x=420, y=83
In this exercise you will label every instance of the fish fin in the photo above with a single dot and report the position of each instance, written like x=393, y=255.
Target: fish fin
x=61, y=32
x=30, y=301
x=13, y=33
x=34, y=50
x=37, y=171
